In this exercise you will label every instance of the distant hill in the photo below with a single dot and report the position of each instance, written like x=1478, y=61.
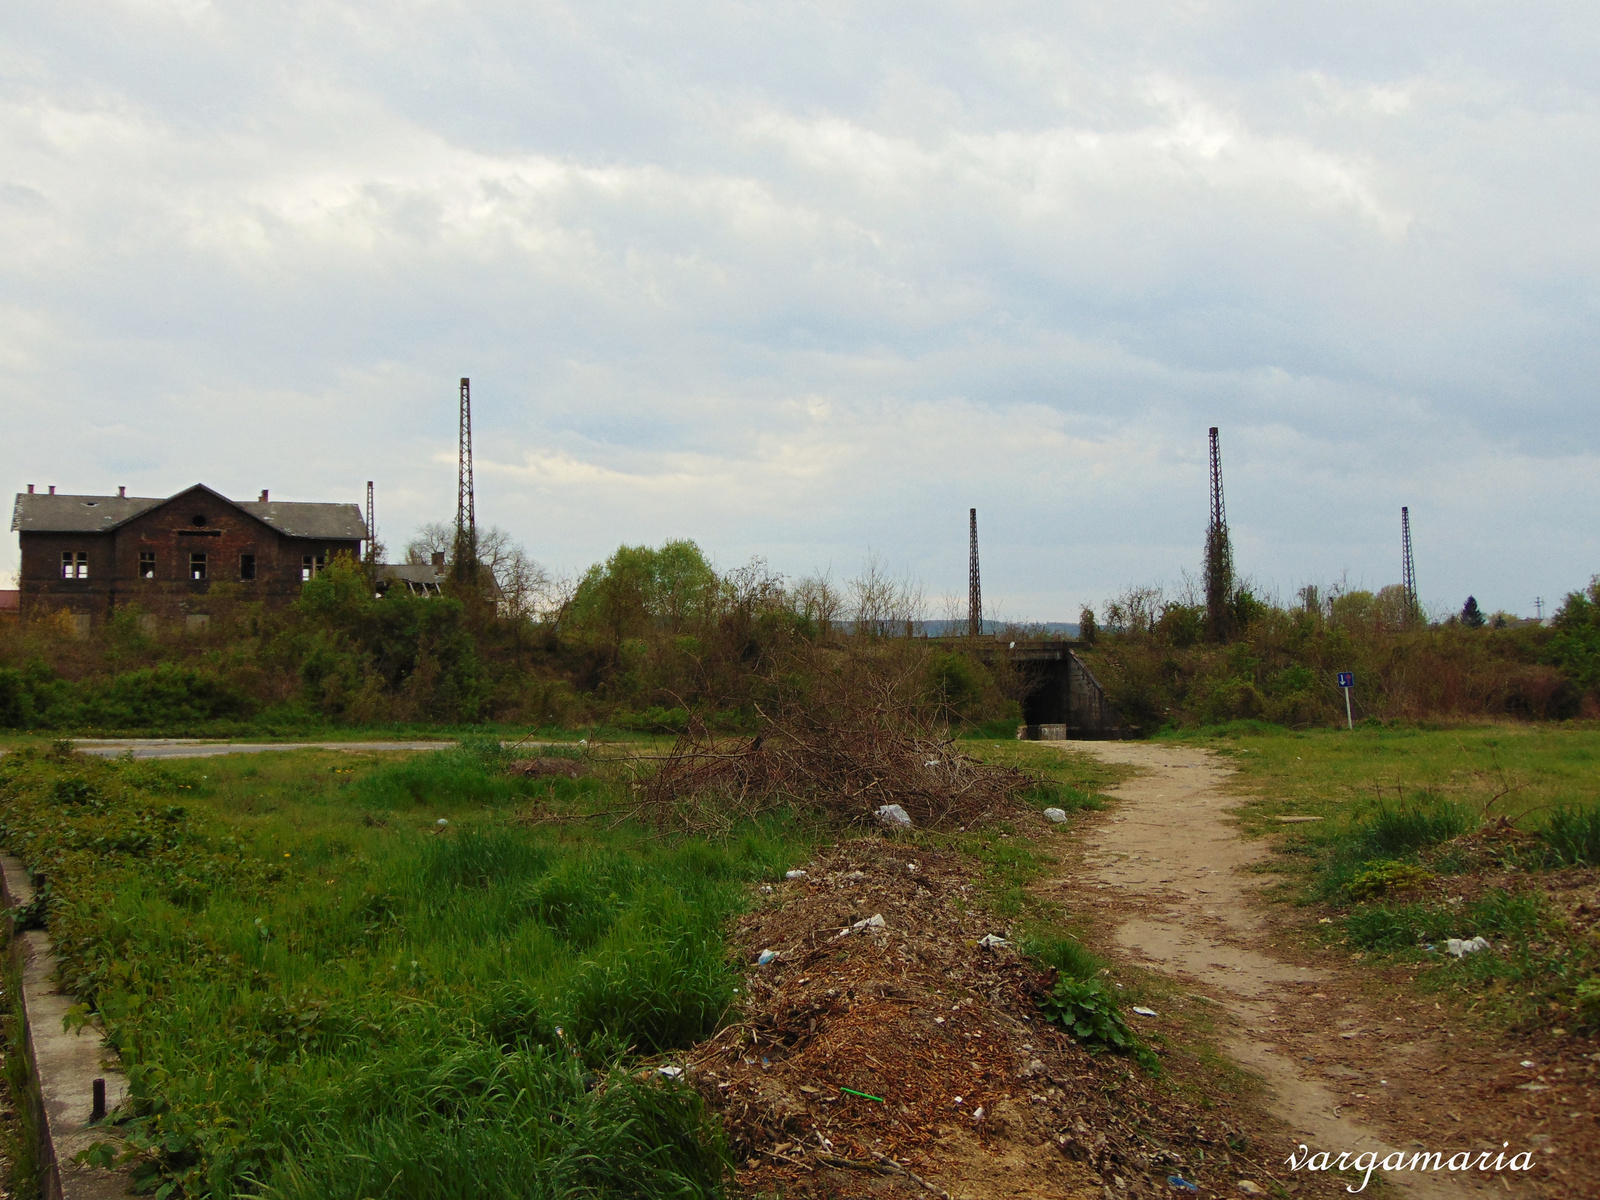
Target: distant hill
x=1061, y=629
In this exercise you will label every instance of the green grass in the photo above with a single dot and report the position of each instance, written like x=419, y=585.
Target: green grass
x=319, y=990
x=1392, y=801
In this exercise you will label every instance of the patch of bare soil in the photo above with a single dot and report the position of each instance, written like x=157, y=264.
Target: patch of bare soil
x=1352, y=1058
x=886, y=1051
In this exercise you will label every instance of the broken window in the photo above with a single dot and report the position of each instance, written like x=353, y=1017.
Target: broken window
x=311, y=566
x=197, y=565
x=74, y=564
x=147, y=564
x=247, y=566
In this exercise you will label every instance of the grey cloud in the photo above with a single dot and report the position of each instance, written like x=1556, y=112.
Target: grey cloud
x=799, y=280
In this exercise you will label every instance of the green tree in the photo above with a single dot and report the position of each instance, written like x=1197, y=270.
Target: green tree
x=1471, y=615
x=1575, y=644
x=639, y=589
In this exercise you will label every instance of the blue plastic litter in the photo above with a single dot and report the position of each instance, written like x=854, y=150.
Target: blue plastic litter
x=1178, y=1181
x=767, y=956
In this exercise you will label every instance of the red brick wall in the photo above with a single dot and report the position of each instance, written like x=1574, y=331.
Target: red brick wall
x=172, y=533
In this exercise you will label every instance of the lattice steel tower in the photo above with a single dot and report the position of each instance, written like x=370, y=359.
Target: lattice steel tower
x=974, y=589
x=1408, y=566
x=1219, y=553
x=372, y=528
x=466, y=548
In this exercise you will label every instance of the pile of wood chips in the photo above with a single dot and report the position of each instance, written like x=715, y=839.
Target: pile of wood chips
x=907, y=1058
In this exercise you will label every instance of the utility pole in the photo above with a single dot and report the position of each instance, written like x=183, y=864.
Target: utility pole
x=1219, y=554
x=466, y=548
x=372, y=529
x=974, y=590
x=1409, y=567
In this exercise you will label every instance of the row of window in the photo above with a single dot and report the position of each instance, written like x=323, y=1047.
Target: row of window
x=75, y=565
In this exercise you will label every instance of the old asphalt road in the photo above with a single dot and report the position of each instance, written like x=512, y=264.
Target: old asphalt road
x=195, y=748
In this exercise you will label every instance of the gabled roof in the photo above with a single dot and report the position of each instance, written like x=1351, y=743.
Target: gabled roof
x=410, y=572
x=331, y=522
x=36, y=513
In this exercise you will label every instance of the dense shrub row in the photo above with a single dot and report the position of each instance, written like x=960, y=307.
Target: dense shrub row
x=643, y=639
x=1281, y=664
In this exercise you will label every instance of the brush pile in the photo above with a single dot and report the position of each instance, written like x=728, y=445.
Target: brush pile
x=846, y=737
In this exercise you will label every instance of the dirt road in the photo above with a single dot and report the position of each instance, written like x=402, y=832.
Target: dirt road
x=1173, y=866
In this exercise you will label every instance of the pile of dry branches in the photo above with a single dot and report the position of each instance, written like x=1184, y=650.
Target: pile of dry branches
x=843, y=733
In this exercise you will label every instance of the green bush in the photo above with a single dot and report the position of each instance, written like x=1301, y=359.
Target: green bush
x=35, y=697
x=1393, y=831
x=1572, y=835
x=1089, y=1013
x=1069, y=957
x=164, y=696
x=1381, y=878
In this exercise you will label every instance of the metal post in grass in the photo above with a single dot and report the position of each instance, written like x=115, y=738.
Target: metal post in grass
x=1347, y=683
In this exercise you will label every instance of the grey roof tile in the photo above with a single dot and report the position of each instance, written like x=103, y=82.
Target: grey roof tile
x=41, y=513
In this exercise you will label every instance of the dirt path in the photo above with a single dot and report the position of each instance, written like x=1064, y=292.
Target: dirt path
x=1171, y=863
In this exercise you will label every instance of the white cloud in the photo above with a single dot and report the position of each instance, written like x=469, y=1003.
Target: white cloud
x=798, y=281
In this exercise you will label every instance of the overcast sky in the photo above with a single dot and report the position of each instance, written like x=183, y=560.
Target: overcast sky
x=801, y=280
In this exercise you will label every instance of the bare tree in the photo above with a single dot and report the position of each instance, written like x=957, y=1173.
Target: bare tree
x=1135, y=611
x=881, y=603
x=527, y=588
x=435, y=537
x=817, y=599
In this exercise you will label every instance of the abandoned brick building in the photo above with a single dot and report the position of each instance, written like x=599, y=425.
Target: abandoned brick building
x=90, y=555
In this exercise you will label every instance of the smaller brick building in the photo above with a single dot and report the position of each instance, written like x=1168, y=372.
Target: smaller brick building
x=91, y=554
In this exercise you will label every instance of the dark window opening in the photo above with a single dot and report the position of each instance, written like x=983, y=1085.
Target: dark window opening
x=197, y=566
x=147, y=564
x=199, y=519
x=311, y=566
x=74, y=564
x=247, y=566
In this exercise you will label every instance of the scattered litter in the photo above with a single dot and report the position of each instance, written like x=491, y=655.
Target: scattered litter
x=766, y=956
x=1145, y=1012
x=583, y=741
x=958, y=1100
x=1250, y=1188
x=441, y=822
x=911, y=866
x=875, y=921
x=766, y=889
x=1527, y=1062
x=977, y=1113
x=893, y=816
x=863, y=1095
x=1458, y=946
x=1532, y=1087
x=794, y=874
x=992, y=940
x=1325, y=921
x=670, y=1072
x=932, y=762
x=1182, y=1184
x=1058, y=815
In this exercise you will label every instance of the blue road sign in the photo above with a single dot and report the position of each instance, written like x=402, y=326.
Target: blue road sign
x=1347, y=679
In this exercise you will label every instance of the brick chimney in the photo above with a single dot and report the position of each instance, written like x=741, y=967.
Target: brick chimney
x=438, y=560
x=122, y=493
x=263, y=495
x=52, y=489
x=30, y=489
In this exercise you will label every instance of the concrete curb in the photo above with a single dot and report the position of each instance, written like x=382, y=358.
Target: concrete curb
x=65, y=1065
